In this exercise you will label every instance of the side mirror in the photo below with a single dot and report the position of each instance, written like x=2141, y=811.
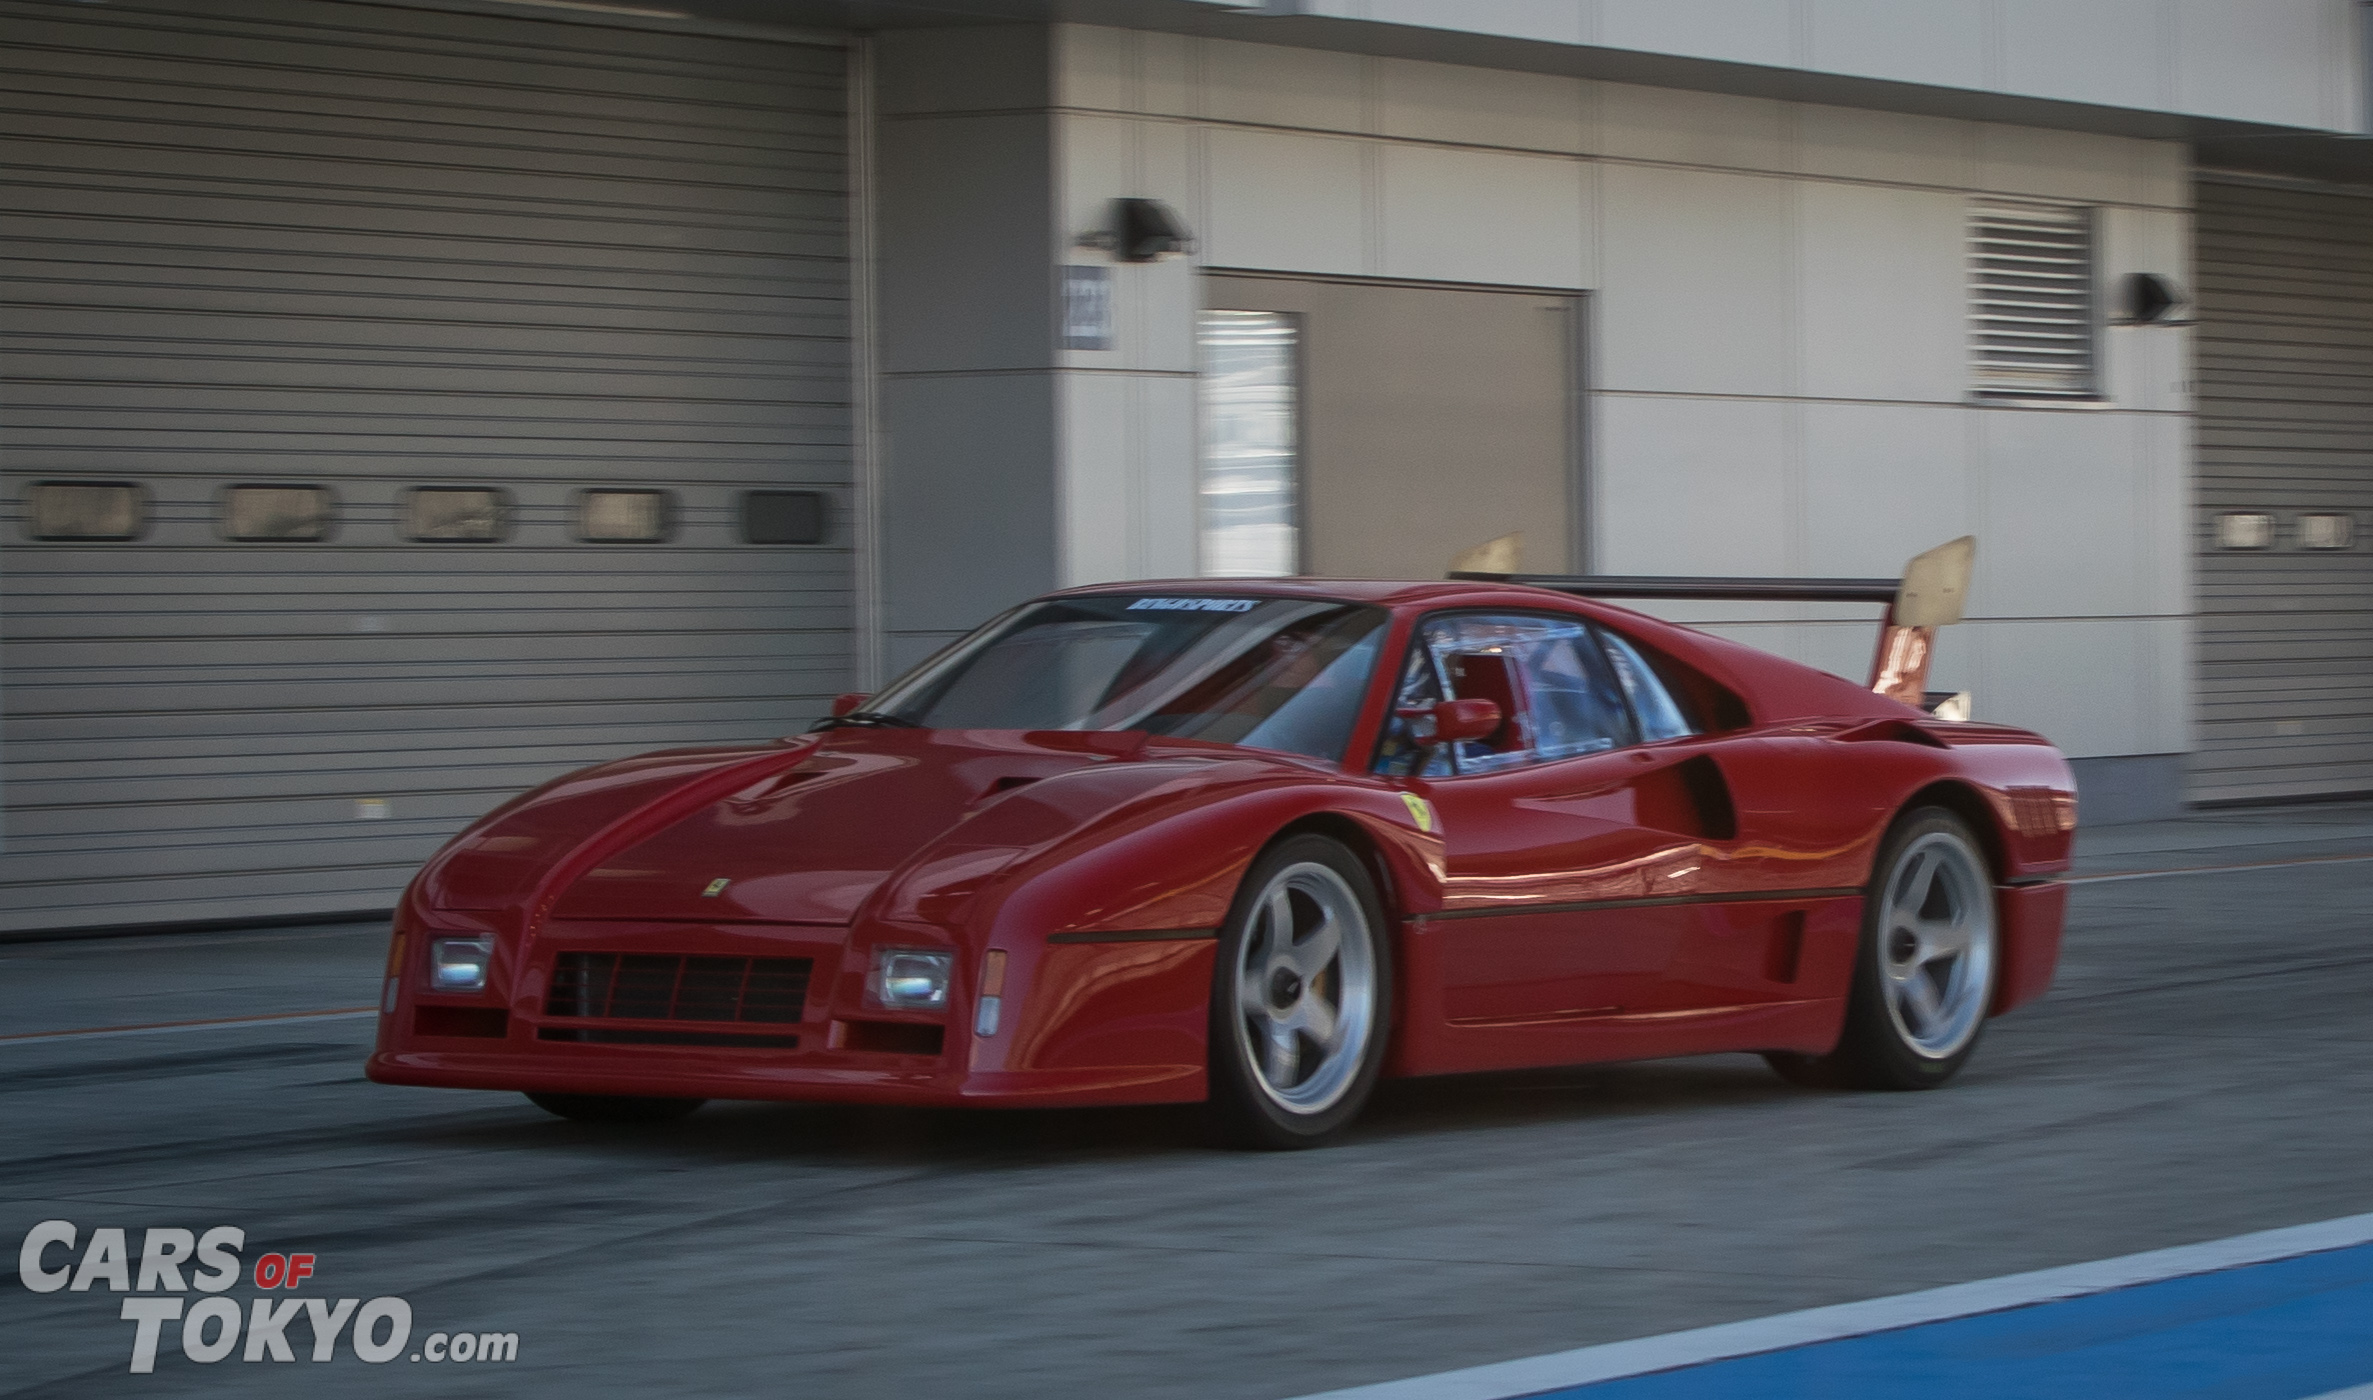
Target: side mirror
x=849, y=703
x=1459, y=721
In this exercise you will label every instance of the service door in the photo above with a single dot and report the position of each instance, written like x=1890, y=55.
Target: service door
x=1432, y=419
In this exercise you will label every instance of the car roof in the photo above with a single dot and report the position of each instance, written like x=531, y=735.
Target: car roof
x=1770, y=686
x=1386, y=592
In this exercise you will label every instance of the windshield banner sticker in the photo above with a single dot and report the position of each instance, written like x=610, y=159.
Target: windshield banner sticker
x=1218, y=605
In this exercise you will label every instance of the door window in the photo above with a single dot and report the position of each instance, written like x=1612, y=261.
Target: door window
x=1557, y=693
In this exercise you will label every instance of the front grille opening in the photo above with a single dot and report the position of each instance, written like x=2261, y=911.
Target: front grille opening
x=670, y=987
x=473, y=1022
x=727, y=1040
x=893, y=1037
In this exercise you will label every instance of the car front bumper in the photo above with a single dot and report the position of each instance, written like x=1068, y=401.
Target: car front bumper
x=631, y=1026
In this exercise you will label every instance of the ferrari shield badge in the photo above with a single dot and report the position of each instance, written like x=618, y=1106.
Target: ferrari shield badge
x=1420, y=811
x=716, y=887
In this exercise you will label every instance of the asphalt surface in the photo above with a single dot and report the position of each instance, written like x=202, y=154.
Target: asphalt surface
x=2200, y=1070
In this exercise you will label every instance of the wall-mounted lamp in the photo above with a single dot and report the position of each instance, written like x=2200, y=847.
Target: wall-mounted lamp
x=2147, y=299
x=1143, y=231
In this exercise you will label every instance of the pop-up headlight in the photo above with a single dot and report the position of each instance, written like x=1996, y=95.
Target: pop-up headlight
x=911, y=979
x=458, y=964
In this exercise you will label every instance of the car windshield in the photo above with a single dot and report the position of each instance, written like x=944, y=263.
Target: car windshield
x=1272, y=673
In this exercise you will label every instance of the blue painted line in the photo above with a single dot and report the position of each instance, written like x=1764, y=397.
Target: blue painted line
x=2284, y=1330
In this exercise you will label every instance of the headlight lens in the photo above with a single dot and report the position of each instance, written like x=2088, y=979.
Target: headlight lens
x=458, y=964
x=911, y=979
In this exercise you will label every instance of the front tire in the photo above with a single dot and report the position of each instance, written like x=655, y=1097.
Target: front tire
x=1924, y=976
x=614, y=1108
x=1300, y=996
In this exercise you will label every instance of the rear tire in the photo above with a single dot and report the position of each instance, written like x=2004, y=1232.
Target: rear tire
x=1301, y=998
x=1924, y=976
x=612, y=1108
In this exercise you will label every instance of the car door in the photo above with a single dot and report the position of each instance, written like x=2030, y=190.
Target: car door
x=1603, y=884
x=1564, y=834
x=1764, y=921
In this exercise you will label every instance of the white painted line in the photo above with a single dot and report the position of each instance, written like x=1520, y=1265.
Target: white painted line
x=1641, y=1356
x=2211, y=869
x=170, y=1027
x=2354, y=1392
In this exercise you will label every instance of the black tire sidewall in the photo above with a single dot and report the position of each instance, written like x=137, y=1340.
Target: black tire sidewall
x=1244, y=1114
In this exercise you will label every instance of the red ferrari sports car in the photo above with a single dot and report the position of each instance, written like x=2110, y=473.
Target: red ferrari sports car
x=1256, y=843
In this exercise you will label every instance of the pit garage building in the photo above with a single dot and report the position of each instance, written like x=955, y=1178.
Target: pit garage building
x=405, y=402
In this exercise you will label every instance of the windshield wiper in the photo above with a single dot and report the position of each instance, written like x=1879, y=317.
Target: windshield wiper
x=863, y=719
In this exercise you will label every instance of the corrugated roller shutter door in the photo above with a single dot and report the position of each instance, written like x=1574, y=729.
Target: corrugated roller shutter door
x=2286, y=430
x=373, y=247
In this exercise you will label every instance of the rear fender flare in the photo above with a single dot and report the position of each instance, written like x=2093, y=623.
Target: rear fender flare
x=2028, y=914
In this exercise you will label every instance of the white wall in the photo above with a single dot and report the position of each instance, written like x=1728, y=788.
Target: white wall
x=2283, y=62
x=1126, y=419
x=1779, y=356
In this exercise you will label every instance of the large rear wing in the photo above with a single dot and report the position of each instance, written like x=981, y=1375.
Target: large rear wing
x=1930, y=595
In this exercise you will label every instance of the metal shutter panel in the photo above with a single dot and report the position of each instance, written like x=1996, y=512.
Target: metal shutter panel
x=2286, y=429
x=372, y=248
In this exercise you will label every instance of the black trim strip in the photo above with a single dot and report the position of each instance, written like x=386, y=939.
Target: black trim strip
x=1659, y=902
x=724, y=1040
x=1791, y=590
x=1616, y=1015
x=1142, y=935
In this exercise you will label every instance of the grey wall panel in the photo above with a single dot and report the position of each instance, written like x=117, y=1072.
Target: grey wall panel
x=967, y=244
x=2286, y=428
x=971, y=483
x=372, y=248
x=967, y=276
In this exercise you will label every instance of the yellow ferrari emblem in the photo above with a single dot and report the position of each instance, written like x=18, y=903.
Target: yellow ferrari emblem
x=716, y=887
x=1419, y=811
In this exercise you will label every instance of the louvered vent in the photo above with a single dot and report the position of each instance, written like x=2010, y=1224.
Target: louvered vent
x=666, y=987
x=2031, y=301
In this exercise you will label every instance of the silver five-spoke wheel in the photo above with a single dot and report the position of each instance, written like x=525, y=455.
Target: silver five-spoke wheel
x=1305, y=994
x=1924, y=968
x=1936, y=944
x=1298, y=996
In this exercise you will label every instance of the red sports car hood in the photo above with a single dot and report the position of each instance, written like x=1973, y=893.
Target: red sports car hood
x=804, y=832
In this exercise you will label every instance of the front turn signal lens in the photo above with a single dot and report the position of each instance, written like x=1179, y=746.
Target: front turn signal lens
x=458, y=964
x=992, y=1002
